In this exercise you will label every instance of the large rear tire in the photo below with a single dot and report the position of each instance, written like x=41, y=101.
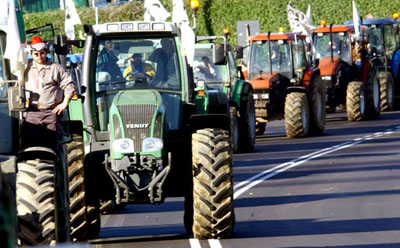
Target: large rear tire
x=247, y=122
x=297, y=115
x=213, y=214
x=85, y=217
x=317, y=103
x=387, y=92
x=36, y=202
x=373, y=95
x=355, y=101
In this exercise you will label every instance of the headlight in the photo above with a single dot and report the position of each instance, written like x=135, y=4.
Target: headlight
x=152, y=144
x=123, y=145
x=326, y=77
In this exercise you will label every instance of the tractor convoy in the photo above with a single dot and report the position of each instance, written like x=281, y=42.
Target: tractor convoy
x=147, y=123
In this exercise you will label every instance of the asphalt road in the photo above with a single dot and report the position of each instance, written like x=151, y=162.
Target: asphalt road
x=340, y=189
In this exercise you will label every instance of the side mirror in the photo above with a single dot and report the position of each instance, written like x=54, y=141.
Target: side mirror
x=238, y=52
x=219, y=54
x=17, y=98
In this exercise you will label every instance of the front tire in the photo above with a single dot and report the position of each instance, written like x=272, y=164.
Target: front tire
x=213, y=214
x=317, y=102
x=355, y=101
x=36, y=202
x=386, y=92
x=247, y=123
x=297, y=115
x=373, y=95
x=85, y=216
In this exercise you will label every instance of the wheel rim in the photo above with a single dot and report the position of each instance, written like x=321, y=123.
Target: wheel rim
x=362, y=101
x=376, y=93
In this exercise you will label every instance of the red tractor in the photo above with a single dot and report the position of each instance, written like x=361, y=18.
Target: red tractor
x=350, y=79
x=285, y=84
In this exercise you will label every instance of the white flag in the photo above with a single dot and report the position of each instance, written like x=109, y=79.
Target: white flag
x=179, y=16
x=155, y=11
x=299, y=22
x=15, y=49
x=308, y=14
x=71, y=19
x=178, y=12
x=4, y=16
x=357, y=22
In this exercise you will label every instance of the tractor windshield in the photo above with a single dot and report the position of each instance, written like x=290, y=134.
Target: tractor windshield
x=340, y=45
x=137, y=63
x=260, y=61
x=204, y=69
x=375, y=39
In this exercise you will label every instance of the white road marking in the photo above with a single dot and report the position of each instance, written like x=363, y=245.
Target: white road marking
x=194, y=243
x=281, y=168
x=214, y=243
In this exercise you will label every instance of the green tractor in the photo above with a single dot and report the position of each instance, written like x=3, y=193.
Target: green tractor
x=151, y=132
x=227, y=78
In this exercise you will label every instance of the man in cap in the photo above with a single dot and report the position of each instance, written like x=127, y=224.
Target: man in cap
x=51, y=89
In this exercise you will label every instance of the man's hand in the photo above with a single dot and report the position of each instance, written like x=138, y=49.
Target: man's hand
x=60, y=107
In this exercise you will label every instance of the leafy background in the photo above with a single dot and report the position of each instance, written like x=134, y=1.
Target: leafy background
x=214, y=15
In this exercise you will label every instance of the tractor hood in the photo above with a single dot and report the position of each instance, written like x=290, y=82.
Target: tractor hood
x=328, y=68
x=131, y=97
x=264, y=80
x=136, y=116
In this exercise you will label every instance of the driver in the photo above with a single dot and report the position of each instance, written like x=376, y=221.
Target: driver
x=206, y=68
x=138, y=69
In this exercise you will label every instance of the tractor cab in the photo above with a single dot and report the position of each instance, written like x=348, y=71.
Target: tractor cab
x=333, y=43
x=277, y=55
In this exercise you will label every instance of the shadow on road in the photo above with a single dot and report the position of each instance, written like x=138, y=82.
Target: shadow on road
x=297, y=227
x=281, y=200
x=128, y=234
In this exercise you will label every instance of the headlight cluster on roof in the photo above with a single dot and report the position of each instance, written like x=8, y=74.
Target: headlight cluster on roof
x=135, y=26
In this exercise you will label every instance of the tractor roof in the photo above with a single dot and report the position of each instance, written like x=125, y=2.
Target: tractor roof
x=376, y=21
x=335, y=29
x=134, y=27
x=277, y=36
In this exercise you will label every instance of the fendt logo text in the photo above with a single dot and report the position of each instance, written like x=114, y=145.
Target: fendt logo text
x=137, y=125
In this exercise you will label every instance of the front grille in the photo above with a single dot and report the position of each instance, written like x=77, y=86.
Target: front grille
x=137, y=114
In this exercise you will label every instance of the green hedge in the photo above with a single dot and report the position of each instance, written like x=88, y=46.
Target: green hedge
x=214, y=15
